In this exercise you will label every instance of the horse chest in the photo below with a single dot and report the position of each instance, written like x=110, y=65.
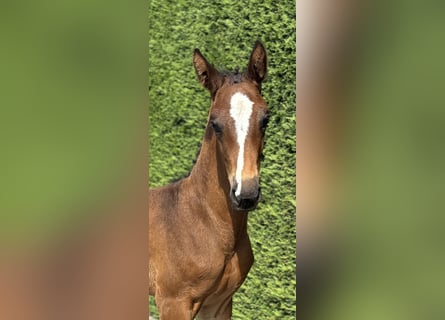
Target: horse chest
x=234, y=272
x=230, y=279
x=232, y=275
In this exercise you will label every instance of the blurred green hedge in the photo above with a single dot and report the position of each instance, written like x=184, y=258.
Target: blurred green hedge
x=225, y=32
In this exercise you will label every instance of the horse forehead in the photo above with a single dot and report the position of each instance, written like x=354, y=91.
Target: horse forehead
x=240, y=106
x=239, y=96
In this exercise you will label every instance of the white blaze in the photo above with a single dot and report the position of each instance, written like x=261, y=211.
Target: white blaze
x=240, y=110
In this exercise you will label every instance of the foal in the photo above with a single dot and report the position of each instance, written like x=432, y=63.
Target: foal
x=199, y=249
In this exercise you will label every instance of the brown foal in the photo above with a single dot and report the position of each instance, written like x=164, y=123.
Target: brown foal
x=199, y=249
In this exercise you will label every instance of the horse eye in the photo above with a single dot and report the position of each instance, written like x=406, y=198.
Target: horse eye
x=216, y=127
x=264, y=122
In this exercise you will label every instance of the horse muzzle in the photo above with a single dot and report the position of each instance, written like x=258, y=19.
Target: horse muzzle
x=247, y=197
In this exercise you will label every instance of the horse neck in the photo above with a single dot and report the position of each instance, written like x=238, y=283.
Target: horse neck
x=208, y=179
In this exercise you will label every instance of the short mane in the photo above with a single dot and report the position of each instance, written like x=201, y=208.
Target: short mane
x=233, y=77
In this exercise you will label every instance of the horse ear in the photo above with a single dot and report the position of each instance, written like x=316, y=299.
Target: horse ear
x=257, y=64
x=207, y=74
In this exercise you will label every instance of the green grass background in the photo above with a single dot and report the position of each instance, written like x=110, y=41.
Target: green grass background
x=225, y=32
